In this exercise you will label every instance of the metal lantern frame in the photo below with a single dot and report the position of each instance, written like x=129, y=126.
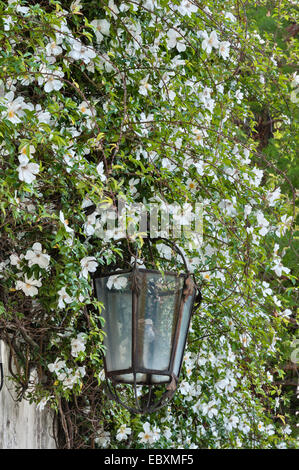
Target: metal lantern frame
x=149, y=403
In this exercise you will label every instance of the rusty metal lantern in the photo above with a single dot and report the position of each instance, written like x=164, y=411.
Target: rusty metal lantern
x=147, y=315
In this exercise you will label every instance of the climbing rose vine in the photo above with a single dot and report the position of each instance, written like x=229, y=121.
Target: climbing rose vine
x=155, y=102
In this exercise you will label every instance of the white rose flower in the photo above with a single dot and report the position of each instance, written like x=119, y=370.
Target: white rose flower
x=29, y=286
x=102, y=28
x=245, y=339
x=210, y=41
x=89, y=265
x=52, y=48
x=147, y=436
x=36, y=256
x=101, y=172
x=145, y=86
x=224, y=49
x=64, y=298
x=85, y=109
x=176, y=39
x=78, y=345
x=53, y=82
x=123, y=432
x=117, y=281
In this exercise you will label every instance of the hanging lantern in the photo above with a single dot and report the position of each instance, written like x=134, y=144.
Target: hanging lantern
x=147, y=315
x=1, y=376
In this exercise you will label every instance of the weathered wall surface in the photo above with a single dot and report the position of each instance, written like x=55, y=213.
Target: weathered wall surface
x=22, y=426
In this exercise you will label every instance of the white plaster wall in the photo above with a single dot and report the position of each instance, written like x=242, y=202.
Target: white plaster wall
x=22, y=425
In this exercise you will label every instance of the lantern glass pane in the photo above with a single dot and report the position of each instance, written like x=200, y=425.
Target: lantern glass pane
x=158, y=307
x=116, y=295
x=183, y=334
